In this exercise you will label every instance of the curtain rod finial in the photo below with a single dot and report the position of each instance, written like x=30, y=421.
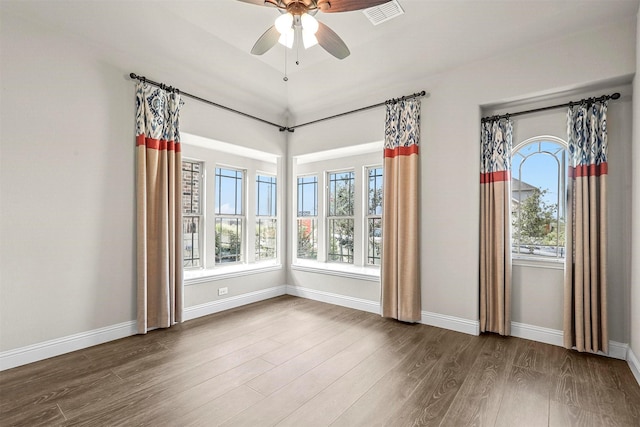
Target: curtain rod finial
x=615, y=95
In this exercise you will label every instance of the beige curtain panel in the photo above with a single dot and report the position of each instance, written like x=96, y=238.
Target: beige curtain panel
x=495, y=227
x=585, y=287
x=159, y=209
x=400, y=264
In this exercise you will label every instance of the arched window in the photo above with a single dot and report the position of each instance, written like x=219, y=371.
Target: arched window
x=538, y=202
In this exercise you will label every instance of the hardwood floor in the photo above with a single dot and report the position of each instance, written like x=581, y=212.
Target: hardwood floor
x=296, y=362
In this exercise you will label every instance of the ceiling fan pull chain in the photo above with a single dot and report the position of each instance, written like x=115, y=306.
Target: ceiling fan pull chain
x=285, y=78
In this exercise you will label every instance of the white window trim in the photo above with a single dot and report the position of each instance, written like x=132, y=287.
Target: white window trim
x=521, y=260
x=552, y=264
x=200, y=215
x=366, y=215
x=192, y=277
x=320, y=164
x=352, y=217
x=242, y=216
x=311, y=217
x=367, y=273
x=251, y=165
x=267, y=217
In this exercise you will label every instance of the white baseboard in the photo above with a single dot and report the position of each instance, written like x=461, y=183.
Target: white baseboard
x=537, y=333
x=432, y=319
x=335, y=299
x=634, y=364
x=56, y=347
x=617, y=350
x=33, y=353
x=458, y=324
x=232, y=302
x=44, y=350
x=555, y=337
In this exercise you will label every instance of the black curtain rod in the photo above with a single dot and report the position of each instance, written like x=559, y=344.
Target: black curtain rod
x=552, y=107
x=280, y=127
x=389, y=101
x=206, y=101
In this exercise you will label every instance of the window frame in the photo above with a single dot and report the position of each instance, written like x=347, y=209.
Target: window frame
x=272, y=217
x=242, y=216
x=519, y=258
x=368, y=216
x=312, y=217
x=198, y=215
x=329, y=218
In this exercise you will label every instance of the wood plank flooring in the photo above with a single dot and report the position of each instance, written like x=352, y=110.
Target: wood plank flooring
x=295, y=362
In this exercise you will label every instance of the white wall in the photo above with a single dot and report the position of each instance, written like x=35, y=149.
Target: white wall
x=67, y=257
x=635, y=250
x=450, y=148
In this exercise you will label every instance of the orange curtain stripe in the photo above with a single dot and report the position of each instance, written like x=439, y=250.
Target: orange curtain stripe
x=157, y=144
x=499, y=176
x=401, y=151
x=589, y=170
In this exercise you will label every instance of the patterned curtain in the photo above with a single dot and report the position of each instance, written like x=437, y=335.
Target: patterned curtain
x=400, y=265
x=495, y=227
x=585, y=287
x=159, y=211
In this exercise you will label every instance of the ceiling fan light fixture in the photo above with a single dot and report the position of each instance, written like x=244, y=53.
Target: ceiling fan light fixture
x=309, y=24
x=309, y=39
x=286, y=38
x=284, y=23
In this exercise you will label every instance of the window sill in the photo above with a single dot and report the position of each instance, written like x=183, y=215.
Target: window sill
x=191, y=277
x=552, y=264
x=371, y=274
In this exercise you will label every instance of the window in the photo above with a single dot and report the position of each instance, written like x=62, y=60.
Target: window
x=538, y=188
x=373, y=215
x=191, y=213
x=266, y=221
x=339, y=212
x=340, y=216
x=229, y=214
x=308, y=217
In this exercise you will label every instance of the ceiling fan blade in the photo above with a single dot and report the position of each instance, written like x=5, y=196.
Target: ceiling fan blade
x=272, y=3
x=266, y=41
x=258, y=2
x=333, y=6
x=331, y=42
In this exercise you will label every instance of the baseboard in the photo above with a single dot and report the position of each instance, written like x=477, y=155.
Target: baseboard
x=40, y=351
x=44, y=350
x=555, y=337
x=33, y=353
x=618, y=350
x=537, y=333
x=217, y=306
x=458, y=324
x=634, y=364
x=335, y=299
x=432, y=319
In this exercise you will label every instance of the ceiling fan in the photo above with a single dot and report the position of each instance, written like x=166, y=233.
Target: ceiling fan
x=297, y=21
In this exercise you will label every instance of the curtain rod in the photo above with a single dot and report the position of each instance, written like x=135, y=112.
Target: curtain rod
x=552, y=107
x=206, y=101
x=280, y=127
x=389, y=101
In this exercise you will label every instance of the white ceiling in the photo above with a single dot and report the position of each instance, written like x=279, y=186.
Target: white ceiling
x=202, y=47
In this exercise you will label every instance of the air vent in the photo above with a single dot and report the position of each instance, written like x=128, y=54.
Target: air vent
x=384, y=12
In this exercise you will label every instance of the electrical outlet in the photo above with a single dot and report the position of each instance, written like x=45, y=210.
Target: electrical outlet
x=223, y=291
